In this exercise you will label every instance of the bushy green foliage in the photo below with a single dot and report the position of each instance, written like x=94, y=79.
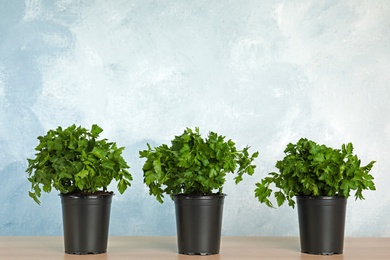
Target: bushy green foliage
x=74, y=160
x=193, y=165
x=315, y=170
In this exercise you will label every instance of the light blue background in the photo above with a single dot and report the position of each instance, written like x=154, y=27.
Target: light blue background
x=263, y=73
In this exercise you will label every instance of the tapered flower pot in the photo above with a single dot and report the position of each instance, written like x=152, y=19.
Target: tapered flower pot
x=86, y=222
x=321, y=224
x=198, y=223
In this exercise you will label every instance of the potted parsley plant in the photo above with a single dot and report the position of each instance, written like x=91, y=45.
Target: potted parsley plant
x=75, y=162
x=192, y=171
x=321, y=179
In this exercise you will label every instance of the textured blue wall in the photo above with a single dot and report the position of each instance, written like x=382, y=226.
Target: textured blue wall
x=263, y=73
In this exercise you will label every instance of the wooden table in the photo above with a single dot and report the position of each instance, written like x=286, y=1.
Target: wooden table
x=166, y=248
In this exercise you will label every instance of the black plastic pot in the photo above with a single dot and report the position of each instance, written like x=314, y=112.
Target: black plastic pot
x=198, y=223
x=86, y=221
x=321, y=224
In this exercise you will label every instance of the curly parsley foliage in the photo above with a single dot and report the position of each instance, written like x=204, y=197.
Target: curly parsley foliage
x=74, y=160
x=193, y=165
x=316, y=170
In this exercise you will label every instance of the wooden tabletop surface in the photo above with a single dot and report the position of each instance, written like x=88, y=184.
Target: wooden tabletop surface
x=166, y=248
